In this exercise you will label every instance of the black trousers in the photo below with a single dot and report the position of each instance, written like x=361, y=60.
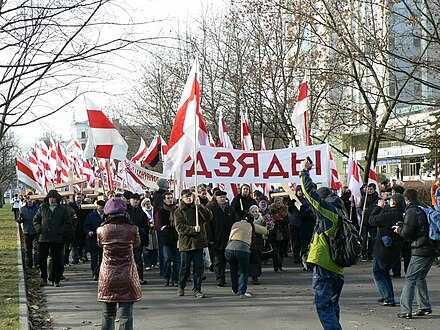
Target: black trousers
x=56, y=250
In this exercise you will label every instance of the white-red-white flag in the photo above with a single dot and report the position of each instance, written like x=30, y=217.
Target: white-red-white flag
x=336, y=184
x=354, y=179
x=299, y=115
x=63, y=164
x=372, y=177
x=26, y=175
x=211, y=140
x=104, y=139
x=246, y=139
x=52, y=157
x=189, y=129
x=154, y=150
x=140, y=154
x=224, y=140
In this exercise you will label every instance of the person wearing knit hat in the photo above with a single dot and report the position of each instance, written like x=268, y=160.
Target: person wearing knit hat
x=118, y=281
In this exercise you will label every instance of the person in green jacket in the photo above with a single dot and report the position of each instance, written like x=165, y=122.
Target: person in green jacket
x=328, y=278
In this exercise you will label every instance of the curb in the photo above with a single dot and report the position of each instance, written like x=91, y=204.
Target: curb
x=22, y=298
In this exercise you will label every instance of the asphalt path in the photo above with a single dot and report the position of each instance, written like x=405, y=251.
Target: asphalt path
x=281, y=301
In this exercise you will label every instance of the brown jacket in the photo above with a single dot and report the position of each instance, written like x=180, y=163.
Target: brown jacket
x=118, y=276
x=185, y=218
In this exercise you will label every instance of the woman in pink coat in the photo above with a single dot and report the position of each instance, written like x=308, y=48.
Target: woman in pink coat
x=118, y=277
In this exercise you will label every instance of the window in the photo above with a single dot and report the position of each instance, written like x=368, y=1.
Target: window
x=417, y=88
x=416, y=41
x=83, y=134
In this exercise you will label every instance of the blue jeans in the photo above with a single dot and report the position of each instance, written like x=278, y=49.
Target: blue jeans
x=171, y=263
x=109, y=316
x=382, y=279
x=327, y=287
x=415, y=283
x=239, y=263
x=196, y=257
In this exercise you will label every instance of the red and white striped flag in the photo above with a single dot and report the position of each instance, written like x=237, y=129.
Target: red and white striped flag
x=189, y=129
x=63, y=164
x=372, y=177
x=299, y=115
x=211, y=140
x=140, y=154
x=246, y=139
x=354, y=178
x=26, y=175
x=154, y=150
x=224, y=141
x=104, y=139
x=336, y=185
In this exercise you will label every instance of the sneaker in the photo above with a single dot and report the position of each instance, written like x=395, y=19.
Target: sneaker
x=423, y=312
x=245, y=295
x=255, y=280
x=166, y=282
x=199, y=295
x=75, y=262
x=220, y=285
x=180, y=292
x=43, y=281
x=174, y=284
x=148, y=268
x=236, y=293
x=388, y=304
x=381, y=300
x=404, y=316
x=143, y=282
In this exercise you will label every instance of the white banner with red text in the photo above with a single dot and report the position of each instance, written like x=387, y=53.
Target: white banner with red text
x=137, y=176
x=221, y=165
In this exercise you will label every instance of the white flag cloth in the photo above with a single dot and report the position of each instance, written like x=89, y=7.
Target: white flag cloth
x=299, y=115
x=104, y=139
x=188, y=125
x=26, y=175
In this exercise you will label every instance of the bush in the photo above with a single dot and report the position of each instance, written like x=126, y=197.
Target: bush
x=423, y=190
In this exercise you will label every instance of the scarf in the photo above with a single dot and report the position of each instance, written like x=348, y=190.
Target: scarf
x=171, y=209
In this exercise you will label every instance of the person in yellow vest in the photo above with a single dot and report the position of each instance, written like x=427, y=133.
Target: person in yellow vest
x=328, y=278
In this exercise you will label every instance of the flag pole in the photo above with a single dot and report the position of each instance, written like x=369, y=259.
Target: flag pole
x=197, y=95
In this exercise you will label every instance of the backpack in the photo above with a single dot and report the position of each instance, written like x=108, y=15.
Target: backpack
x=346, y=244
x=434, y=227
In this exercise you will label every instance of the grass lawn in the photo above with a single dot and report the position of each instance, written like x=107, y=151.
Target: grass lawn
x=8, y=270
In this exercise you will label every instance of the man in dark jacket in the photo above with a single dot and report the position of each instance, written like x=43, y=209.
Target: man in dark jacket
x=140, y=219
x=92, y=223
x=79, y=251
x=368, y=232
x=192, y=240
x=242, y=202
x=52, y=222
x=218, y=233
x=388, y=245
x=416, y=228
x=171, y=256
x=26, y=217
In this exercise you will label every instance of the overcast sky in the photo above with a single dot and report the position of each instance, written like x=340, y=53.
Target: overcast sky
x=171, y=12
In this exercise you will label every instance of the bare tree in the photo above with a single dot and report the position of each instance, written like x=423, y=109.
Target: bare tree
x=8, y=150
x=50, y=49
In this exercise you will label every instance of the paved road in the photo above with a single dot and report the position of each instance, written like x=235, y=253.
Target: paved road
x=281, y=301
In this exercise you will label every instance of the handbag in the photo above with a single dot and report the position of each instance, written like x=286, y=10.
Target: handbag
x=267, y=252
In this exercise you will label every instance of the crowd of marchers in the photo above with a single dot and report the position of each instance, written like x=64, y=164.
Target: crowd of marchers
x=124, y=235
